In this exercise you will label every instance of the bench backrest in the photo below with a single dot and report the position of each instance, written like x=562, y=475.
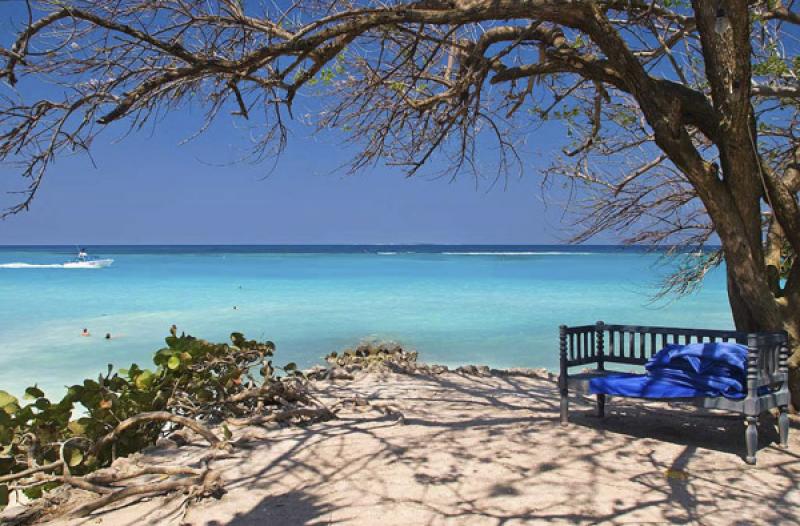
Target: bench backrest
x=633, y=344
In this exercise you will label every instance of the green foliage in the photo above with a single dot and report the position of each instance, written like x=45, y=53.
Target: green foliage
x=624, y=117
x=369, y=355
x=567, y=114
x=671, y=4
x=772, y=65
x=579, y=42
x=191, y=377
x=788, y=258
x=397, y=86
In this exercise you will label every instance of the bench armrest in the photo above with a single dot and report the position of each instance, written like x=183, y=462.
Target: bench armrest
x=767, y=362
x=581, y=345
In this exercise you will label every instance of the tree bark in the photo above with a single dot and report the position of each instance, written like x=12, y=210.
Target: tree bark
x=743, y=317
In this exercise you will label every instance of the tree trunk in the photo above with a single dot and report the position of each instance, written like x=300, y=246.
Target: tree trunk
x=743, y=317
x=791, y=314
x=747, y=319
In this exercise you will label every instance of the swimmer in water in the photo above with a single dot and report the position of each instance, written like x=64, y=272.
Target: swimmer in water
x=85, y=332
x=108, y=336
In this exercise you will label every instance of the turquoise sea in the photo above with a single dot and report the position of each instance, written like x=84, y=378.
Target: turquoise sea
x=495, y=305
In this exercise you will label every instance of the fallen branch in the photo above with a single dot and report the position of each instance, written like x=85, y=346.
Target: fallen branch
x=32, y=471
x=110, y=478
x=317, y=413
x=158, y=416
x=208, y=483
x=78, y=482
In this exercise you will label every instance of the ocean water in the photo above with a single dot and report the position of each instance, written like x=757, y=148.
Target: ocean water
x=499, y=306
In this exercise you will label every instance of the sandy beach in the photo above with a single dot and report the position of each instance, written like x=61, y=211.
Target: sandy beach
x=230, y=229
x=457, y=448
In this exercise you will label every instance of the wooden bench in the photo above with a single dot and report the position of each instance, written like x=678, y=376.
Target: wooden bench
x=600, y=344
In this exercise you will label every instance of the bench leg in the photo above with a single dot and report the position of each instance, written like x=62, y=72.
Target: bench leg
x=601, y=405
x=751, y=439
x=564, y=407
x=783, y=426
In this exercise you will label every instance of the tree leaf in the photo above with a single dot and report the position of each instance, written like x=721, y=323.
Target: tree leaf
x=6, y=399
x=77, y=428
x=32, y=393
x=3, y=495
x=174, y=362
x=676, y=474
x=6, y=434
x=145, y=379
x=34, y=492
x=8, y=403
x=75, y=457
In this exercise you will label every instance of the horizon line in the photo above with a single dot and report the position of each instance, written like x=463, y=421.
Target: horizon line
x=622, y=245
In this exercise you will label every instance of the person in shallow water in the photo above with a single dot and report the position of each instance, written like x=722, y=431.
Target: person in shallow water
x=108, y=336
x=85, y=332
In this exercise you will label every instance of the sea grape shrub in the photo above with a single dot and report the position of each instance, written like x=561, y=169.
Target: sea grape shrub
x=374, y=355
x=192, y=378
x=201, y=375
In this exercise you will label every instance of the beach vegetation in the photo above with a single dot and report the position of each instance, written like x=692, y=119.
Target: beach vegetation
x=678, y=116
x=193, y=385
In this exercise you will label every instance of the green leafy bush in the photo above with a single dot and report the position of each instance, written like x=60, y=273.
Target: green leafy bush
x=192, y=378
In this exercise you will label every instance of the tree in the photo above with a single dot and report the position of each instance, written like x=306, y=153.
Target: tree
x=682, y=114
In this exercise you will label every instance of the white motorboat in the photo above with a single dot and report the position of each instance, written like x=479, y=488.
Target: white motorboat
x=84, y=260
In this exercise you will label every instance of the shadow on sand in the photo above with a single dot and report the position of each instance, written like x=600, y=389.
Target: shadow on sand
x=489, y=450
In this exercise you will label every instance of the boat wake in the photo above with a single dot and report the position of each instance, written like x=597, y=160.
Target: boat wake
x=29, y=265
x=52, y=265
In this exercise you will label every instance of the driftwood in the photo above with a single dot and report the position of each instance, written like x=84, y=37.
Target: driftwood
x=159, y=416
x=206, y=483
x=202, y=482
x=32, y=471
x=310, y=414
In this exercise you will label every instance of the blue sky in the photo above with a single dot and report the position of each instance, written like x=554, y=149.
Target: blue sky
x=149, y=189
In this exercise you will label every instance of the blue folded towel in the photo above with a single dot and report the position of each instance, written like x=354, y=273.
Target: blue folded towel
x=683, y=371
x=701, y=357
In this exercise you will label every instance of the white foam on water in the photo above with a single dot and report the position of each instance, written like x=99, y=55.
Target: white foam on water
x=31, y=265
x=50, y=265
x=489, y=253
x=517, y=253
